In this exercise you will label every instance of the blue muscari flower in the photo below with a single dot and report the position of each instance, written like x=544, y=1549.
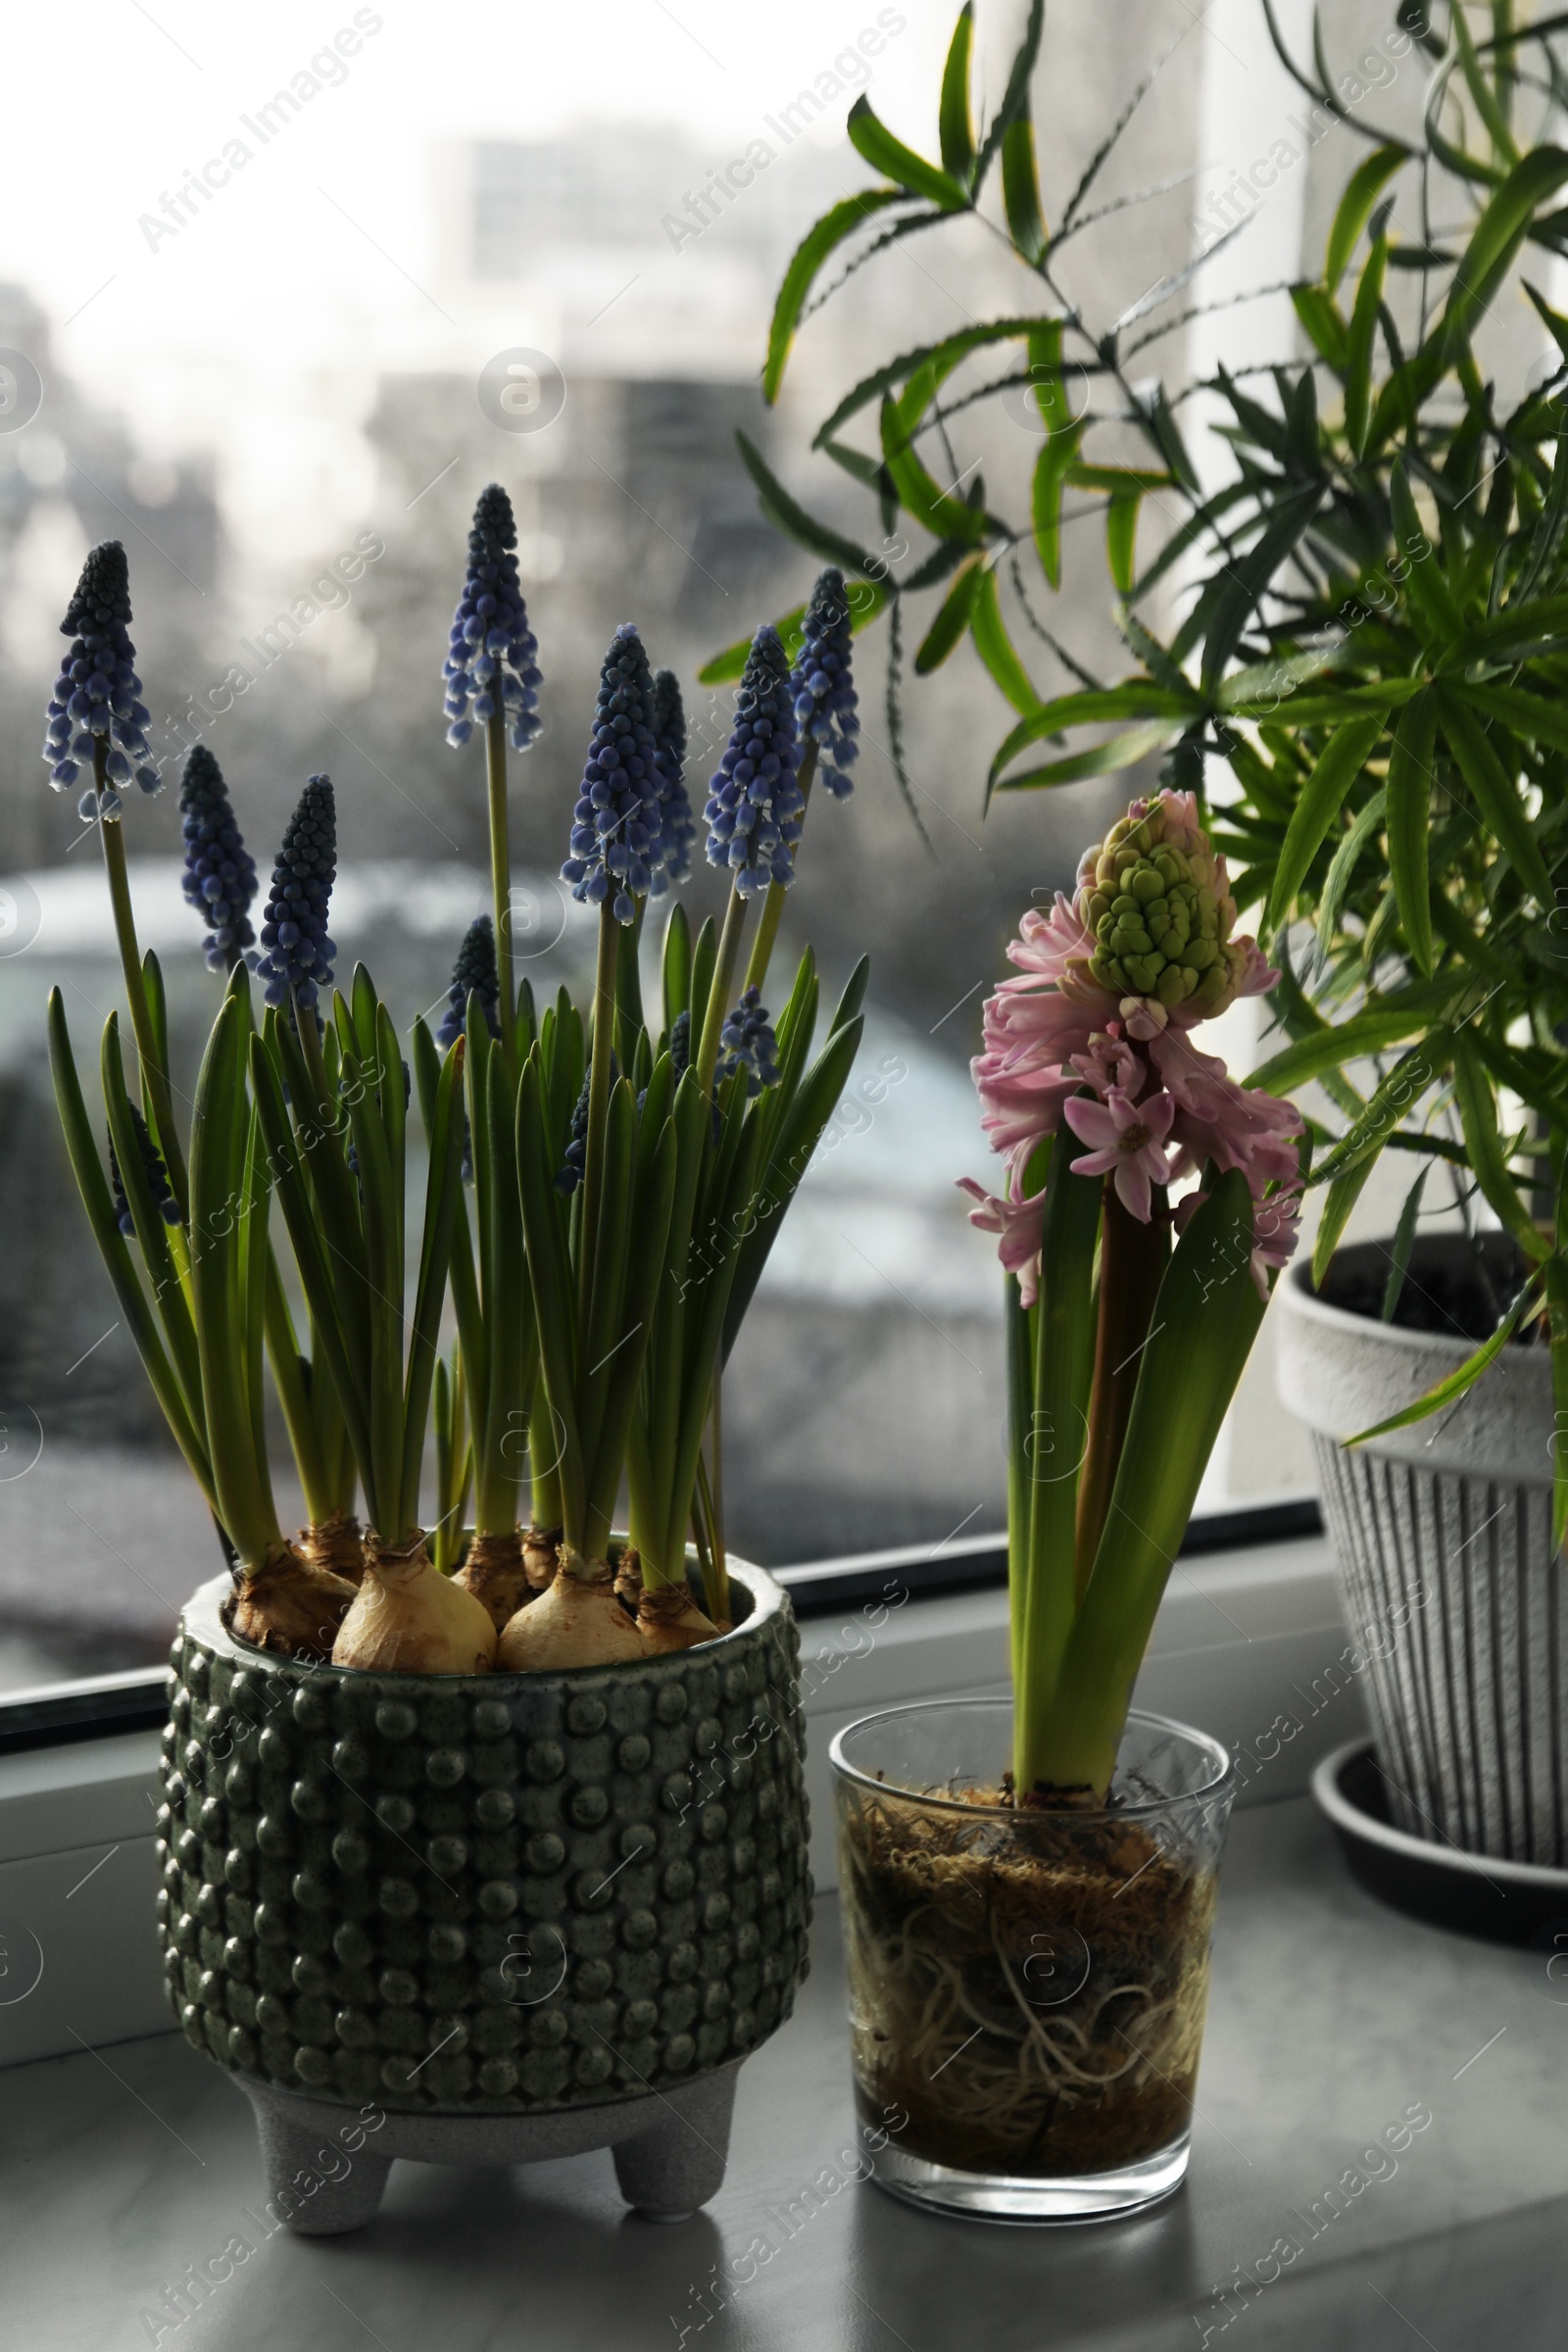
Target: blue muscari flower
x=96, y=705
x=220, y=878
x=576, y=1161
x=754, y=802
x=824, y=686
x=157, y=1180
x=475, y=971
x=299, y=954
x=749, y=1043
x=493, y=649
x=677, y=826
x=615, y=824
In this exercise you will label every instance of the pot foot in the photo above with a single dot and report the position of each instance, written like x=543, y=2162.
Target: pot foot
x=669, y=2170
x=298, y=2191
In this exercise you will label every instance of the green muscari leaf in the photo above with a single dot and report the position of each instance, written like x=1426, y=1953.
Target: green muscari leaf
x=793, y=1151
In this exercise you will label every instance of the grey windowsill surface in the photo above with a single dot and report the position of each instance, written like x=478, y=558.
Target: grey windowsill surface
x=1330, y=2019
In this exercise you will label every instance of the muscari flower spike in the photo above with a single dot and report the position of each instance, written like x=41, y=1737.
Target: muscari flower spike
x=299, y=954
x=492, y=650
x=576, y=1165
x=474, y=972
x=677, y=826
x=220, y=878
x=749, y=1043
x=825, y=700
x=157, y=1180
x=97, y=701
x=754, y=802
x=615, y=824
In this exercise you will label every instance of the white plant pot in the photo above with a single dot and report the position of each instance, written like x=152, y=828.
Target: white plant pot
x=1443, y=1533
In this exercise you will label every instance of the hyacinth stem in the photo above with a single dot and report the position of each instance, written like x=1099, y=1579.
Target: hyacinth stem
x=720, y=994
x=1132, y=1259
x=603, y=1043
x=774, y=904
x=495, y=759
x=141, y=1017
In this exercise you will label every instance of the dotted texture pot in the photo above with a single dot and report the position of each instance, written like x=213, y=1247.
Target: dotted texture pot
x=491, y=1895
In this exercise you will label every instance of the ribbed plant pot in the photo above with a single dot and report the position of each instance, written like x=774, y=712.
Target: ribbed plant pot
x=1455, y=1598
x=511, y=1915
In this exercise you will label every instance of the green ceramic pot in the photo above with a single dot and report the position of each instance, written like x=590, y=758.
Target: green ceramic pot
x=505, y=1893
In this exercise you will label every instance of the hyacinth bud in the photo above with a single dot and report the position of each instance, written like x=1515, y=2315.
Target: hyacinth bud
x=672, y=857
x=474, y=973
x=299, y=956
x=748, y=1044
x=219, y=878
x=491, y=665
x=616, y=825
x=96, y=704
x=753, y=801
x=1157, y=901
x=157, y=1176
x=825, y=700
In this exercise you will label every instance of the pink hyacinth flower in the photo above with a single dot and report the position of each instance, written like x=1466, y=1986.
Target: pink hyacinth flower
x=1021, y=1225
x=1125, y=1139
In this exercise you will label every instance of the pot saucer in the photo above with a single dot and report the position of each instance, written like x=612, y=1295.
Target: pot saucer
x=1506, y=1902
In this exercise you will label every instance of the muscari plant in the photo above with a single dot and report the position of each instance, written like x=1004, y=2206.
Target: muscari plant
x=1365, y=684
x=1129, y=1319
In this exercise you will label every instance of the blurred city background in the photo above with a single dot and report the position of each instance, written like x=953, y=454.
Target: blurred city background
x=274, y=376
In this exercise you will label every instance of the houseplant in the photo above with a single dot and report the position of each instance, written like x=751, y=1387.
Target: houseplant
x=1028, y=1947
x=549, y=1905
x=1364, y=690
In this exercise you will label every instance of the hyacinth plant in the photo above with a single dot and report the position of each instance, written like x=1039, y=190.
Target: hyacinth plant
x=1129, y=1319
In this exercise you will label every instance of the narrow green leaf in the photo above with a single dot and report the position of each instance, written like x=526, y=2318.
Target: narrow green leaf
x=677, y=966
x=1557, y=1281
x=1458, y=1383
x=1325, y=325
x=1403, y=1244
x=1364, y=186
x=1105, y=759
x=1496, y=238
x=1057, y=456
x=1361, y=347
x=936, y=510
x=443, y=1183
x=1494, y=794
x=956, y=126
x=1322, y=796
x=1478, y=1113
x=799, y=279
x=1020, y=190
x=1343, y=1195
x=1390, y=1100
x=996, y=648
x=1409, y=811
x=872, y=139
x=952, y=617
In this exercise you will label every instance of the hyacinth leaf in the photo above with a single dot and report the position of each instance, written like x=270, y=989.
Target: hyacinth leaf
x=1054, y=1440
x=1364, y=186
x=1477, y=1105
x=1409, y=811
x=1321, y=798
x=1403, y=1244
x=875, y=143
x=798, y=1139
x=1496, y=239
x=677, y=966
x=952, y=617
x=1391, y=1102
x=181, y=1412
x=152, y=1233
x=1206, y=1318
x=1459, y=1383
x=1494, y=795
x=814, y=248
x=1345, y=1190
x=327, y=1285
x=854, y=997
x=996, y=648
x=955, y=122
x=1020, y=190
x=442, y=1185
x=220, y=1132
x=554, y=1288
x=1555, y=1275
